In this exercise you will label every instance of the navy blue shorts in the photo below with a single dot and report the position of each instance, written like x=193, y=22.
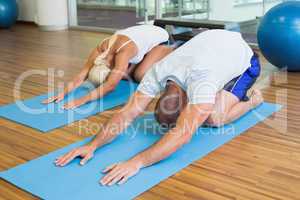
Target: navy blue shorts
x=241, y=84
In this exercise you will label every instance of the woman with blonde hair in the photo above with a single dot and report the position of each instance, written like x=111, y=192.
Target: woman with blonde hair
x=129, y=53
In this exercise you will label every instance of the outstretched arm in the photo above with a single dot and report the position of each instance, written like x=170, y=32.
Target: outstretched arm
x=119, y=71
x=122, y=120
x=188, y=122
x=90, y=61
x=77, y=80
x=136, y=105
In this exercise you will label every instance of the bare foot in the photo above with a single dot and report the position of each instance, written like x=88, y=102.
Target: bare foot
x=256, y=98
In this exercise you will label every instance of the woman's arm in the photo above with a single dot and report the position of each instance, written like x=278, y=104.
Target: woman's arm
x=81, y=77
x=77, y=80
x=119, y=71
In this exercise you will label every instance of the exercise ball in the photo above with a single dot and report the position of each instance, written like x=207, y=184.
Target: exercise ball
x=279, y=35
x=8, y=13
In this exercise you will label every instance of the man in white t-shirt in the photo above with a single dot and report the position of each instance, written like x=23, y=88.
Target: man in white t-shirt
x=203, y=81
x=216, y=67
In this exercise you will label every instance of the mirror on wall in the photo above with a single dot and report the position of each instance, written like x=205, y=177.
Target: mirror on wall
x=111, y=14
x=117, y=14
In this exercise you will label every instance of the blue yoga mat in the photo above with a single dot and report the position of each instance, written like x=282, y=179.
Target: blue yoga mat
x=45, y=118
x=41, y=178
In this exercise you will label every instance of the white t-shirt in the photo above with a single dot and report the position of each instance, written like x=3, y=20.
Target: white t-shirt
x=145, y=37
x=202, y=66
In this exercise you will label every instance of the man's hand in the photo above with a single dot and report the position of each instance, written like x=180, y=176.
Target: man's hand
x=74, y=104
x=85, y=152
x=120, y=172
x=55, y=99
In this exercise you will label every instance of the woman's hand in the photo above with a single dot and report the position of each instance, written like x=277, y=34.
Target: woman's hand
x=120, y=172
x=85, y=152
x=75, y=103
x=55, y=99
x=72, y=85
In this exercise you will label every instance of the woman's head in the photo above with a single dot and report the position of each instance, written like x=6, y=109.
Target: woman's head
x=170, y=105
x=99, y=72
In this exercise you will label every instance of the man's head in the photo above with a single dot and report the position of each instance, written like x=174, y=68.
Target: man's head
x=170, y=105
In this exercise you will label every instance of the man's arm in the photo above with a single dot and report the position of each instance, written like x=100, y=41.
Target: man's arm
x=136, y=105
x=122, y=120
x=188, y=122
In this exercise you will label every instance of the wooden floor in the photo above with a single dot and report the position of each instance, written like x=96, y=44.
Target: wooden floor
x=261, y=164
